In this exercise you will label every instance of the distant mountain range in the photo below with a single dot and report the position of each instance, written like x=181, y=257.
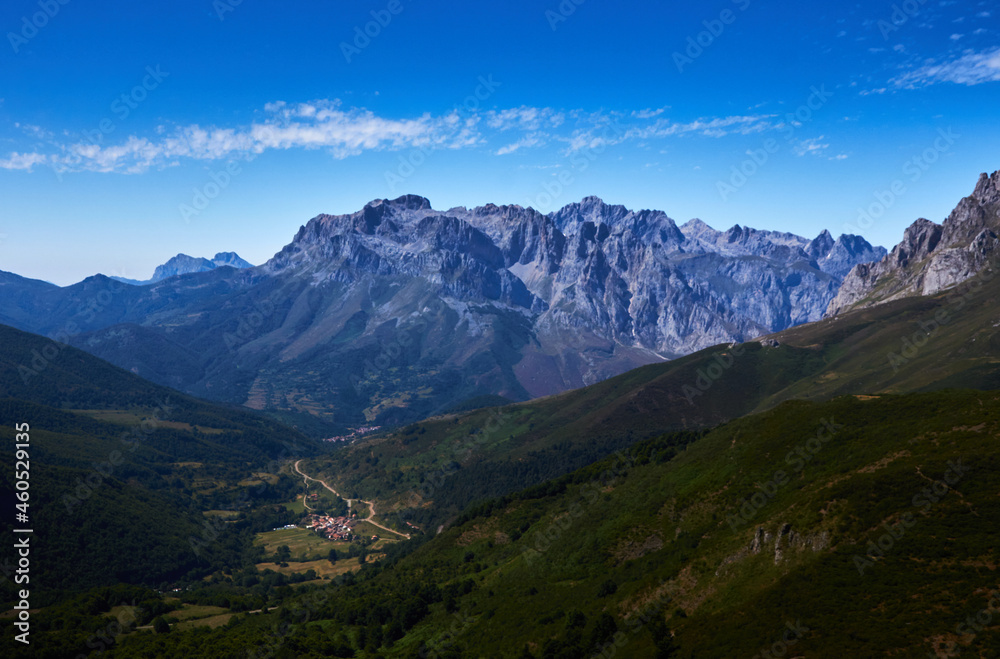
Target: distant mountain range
x=182, y=264
x=399, y=311
x=686, y=502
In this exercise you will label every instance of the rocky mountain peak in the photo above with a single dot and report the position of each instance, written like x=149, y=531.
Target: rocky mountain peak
x=988, y=189
x=231, y=259
x=569, y=218
x=931, y=257
x=408, y=202
x=630, y=277
x=919, y=240
x=182, y=264
x=845, y=253
x=696, y=227
x=821, y=245
x=736, y=234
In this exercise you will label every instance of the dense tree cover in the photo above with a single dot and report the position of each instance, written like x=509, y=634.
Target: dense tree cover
x=110, y=504
x=637, y=553
x=642, y=554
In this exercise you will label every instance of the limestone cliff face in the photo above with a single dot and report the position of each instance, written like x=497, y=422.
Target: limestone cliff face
x=931, y=257
x=630, y=277
x=398, y=311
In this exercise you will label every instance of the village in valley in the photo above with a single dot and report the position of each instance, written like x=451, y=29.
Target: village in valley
x=339, y=529
x=358, y=432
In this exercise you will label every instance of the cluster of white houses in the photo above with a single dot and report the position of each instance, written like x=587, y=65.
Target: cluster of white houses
x=360, y=432
x=332, y=528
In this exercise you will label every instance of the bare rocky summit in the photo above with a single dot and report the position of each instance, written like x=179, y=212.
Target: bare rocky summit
x=931, y=257
x=398, y=311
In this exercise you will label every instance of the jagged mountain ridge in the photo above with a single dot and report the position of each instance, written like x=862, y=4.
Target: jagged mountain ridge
x=931, y=257
x=633, y=276
x=182, y=264
x=398, y=311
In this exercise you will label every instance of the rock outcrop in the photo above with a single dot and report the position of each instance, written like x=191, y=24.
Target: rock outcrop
x=931, y=257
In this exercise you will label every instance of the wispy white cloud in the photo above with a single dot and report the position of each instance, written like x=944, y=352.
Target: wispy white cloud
x=345, y=132
x=715, y=127
x=972, y=68
x=23, y=161
x=525, y=118
x=527, y=141
x=813, y=145
x=33, y=131
x=609, y=130
x=317, y=125
x=649, y=113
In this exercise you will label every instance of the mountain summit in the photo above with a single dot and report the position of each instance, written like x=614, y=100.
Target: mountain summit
x=632, y=277
x=398, y=311
x=931, y=257
x=182, y=264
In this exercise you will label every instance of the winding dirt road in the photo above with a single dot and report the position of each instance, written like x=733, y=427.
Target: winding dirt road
x=371, y=506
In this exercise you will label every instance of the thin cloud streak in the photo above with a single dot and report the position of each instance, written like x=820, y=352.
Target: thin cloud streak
x=324, y=124
x=970, y=69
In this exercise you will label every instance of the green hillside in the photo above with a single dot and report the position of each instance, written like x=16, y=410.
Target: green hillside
x=431, y=470
x=759, y=528
x=121, y=471
x=798, y=494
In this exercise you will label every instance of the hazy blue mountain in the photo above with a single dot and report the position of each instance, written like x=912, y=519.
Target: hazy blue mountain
x=182, y=264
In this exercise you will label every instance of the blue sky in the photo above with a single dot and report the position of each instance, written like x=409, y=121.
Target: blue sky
x=130, y=132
